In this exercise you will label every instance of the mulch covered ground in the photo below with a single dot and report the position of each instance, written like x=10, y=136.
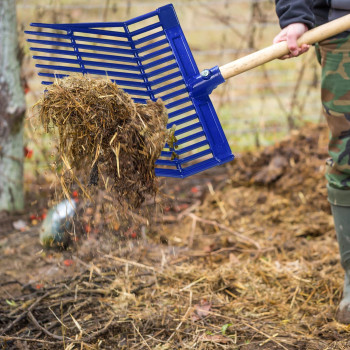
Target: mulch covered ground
x=241, y=257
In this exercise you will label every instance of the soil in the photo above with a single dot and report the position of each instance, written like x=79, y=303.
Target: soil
x=243, y=256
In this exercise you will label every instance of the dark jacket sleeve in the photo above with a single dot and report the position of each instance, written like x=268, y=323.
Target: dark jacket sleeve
x=295, y=11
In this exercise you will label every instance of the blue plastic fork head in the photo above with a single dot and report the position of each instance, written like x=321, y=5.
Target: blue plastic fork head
x=149, y=58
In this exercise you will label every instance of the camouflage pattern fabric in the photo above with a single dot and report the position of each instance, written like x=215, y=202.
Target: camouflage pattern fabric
x=335, y=94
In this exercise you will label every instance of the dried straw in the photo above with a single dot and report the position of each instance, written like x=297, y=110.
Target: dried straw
x=247, y=267
x=104, y=137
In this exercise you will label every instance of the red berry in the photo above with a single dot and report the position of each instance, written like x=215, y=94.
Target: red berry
x=68, y=262
x=28, y=153
x=194, y=189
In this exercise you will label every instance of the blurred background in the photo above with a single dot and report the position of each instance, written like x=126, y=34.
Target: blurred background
x=256, y=108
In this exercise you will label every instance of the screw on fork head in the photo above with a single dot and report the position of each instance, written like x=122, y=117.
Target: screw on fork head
x=205, y=74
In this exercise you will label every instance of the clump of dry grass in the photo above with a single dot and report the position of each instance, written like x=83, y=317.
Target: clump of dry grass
x=105, y=138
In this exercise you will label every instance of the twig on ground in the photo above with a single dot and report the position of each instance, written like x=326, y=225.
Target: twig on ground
x=43, y=329
x=24, y=314
x=180, y=324
x=11, y=338
x=241, y=237
x=138, y=332
x=134, y=263
x=101, y=331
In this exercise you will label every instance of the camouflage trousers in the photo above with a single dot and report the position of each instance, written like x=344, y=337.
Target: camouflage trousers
x=334, y=57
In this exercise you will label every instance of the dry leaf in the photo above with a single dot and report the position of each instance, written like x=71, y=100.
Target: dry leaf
x=201, y=310
x=215, y=338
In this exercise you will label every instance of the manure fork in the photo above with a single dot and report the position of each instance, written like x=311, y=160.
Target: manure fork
x=149, y=58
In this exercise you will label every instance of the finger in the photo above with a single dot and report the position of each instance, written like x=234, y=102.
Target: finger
x=281, y=36
x=305, y=47
x=278, y=39
x=285, y=57
x=292, y=43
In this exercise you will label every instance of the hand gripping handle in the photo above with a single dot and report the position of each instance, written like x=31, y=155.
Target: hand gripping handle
x=280, y=49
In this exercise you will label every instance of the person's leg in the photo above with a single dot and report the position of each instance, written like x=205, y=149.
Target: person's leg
x=335, y=61
x=340, y=204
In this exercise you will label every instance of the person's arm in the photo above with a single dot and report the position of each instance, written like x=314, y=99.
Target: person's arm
x=295, y=11
x=295, y=18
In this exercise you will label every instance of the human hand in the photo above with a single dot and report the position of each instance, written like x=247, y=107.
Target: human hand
x=291, y=34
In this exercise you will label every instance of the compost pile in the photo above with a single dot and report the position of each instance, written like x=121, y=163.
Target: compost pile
x=291, y=167
x=250, y=261
x=105, y=139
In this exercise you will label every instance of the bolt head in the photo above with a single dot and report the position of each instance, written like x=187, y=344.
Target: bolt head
x=205, y=73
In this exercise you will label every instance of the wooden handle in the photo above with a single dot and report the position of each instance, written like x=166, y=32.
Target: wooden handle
x=280, y=49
